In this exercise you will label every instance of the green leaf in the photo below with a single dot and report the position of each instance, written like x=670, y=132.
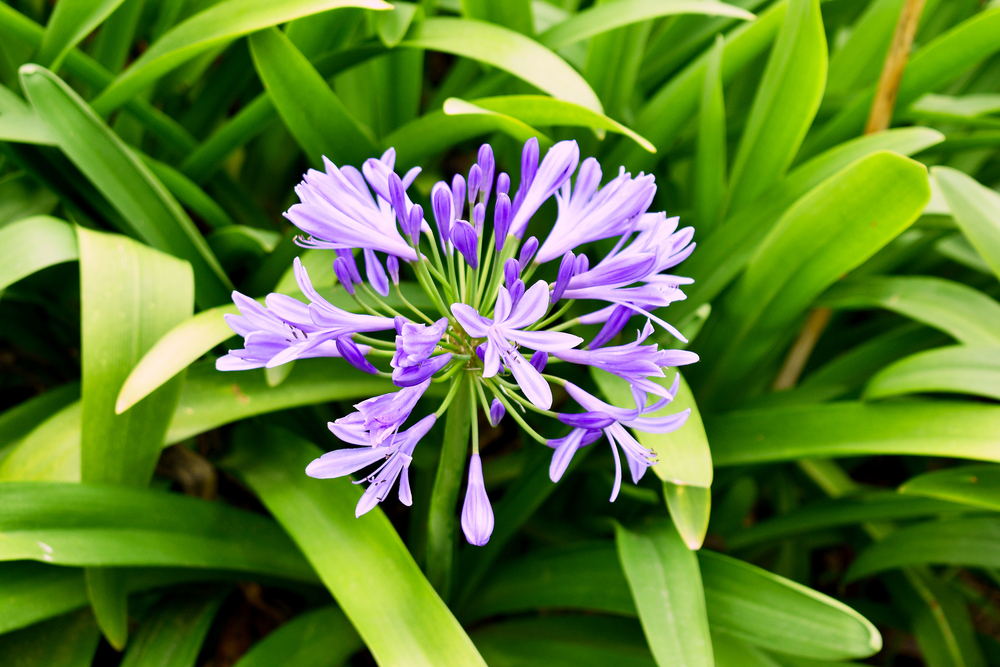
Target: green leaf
x=847, y=511
x=51, y=451
x=666, y=585
x=311, y=111
x=459, y=121
x=731, y=652
x=509, y=51
x=608, y=16
x=857, y=63
x=19, y=123
x=318, y=638
x=784, y=106
x=32, y=244
x=513, y=14
x=155, y=216
x=958, y=369
x=922, y=428
x=362, y=561
x=970, y=542
x=21, y=197
x=542, y=111
x=171, y=636
x=709, y=189
x=690, y=508
x=189, y=194
x=976, y=209
x=208, y=29
x=67, y=641
x=824, y=235
x=69, y=23
x=962, y=312
x=101, y=525
x=971, y=485
x=958, y=249
x=393, y=25
x=775, y=613
x=18, y=421
x=684, y=457
x=968, y=110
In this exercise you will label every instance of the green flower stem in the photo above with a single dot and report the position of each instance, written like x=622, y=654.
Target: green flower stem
x=379, y=302
x=444, y=494
x=447, y=375
x=424, y=279
x=474, y=420
x=491, y=264
x=409, y=305
x=374, y=342
x=555, y=316
x=437, y=255
x=566, y=325
x=368, y=309
x=509, y=249
x=513, y=413
x=528, y=404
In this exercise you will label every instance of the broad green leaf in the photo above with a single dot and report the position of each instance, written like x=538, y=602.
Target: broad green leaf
x=18, y=421
x=668, y=111
x=940, y=621
x=312, y=112
x=459, y=121
x=542, y=111
x=968, y=110
x=509, y=51
x=393, y=25
x=931, y=67
x=215, y=26
x=564, y=640
x=683, y=456
x=32, y=244
x=775, y=613
x=690, y=507
x=784, y=106
x=100, y=525
x=847, y=511
x=361, y=560
x=958, y=369
x=709, y=187
x=858, y=62
x=962, y=312
x=19, y=123
x=115, y=40
x=50, y=452
x=67, y=641
x=318, y=638
x=976, y=209
x=69, y=23
x=608, y=16
x=171, y=636
x=154, y=215
x=731, y=652
x=971, y=542
x=921, y=428
x=723, y=256
x=978, y=486
x=824, y=235
x=666, y=585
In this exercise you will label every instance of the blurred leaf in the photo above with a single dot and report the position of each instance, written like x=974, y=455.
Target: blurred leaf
x=731, y=652
x=666, y=585
x=393, y=25
x=117, y=36
x=18, y=421
x=969, y=110
x=830, y=231
x=318, y=638
x=189, y=194
x=978, y=486
x=959, y=369
x=509, y=51
x=962, y=312
x=69, y=23
x=311, y=111
x=690, y=508
x=976, y=210
x=784, y=106
x=362, y=561
x=67, y=641
x=22, y=197
x=859, y=61
x=51, y=451
x=958, y=249
x=513, y=14
x=155, y=216
x=940, y=621
x=101, y=525
x=32, y=244
x=921, y=428
x=19, y=122
x=847, y=511
x=171, y=636
x=971, y=542
x=209, y=28
x=608, y=16
x=709, y=188
x=542, y=111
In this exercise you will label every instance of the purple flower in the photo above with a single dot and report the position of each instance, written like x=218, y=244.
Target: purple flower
x=379, y=417
x=477, y=514
x=556, y=168
x=507, y=326
x=566, y=447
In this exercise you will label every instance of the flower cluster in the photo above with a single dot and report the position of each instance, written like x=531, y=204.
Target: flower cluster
x=488, y=309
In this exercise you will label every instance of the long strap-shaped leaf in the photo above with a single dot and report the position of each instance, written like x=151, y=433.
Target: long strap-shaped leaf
x=70, y=22
x=955, y=369
x=976, y=209
x=362, y=561
x=153, y=213
x=32, y=244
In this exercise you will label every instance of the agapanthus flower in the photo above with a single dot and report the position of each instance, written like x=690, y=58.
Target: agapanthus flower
x=493, y=320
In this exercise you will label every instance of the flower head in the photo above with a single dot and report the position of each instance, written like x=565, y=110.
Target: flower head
x=497, y=329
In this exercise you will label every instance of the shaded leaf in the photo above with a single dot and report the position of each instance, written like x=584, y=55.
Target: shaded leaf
x=978, y=486
x=976, y=210
x=318, y=638
x=959, y=369
x=32, y=244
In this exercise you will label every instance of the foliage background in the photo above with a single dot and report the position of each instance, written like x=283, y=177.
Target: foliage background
x=152, y=505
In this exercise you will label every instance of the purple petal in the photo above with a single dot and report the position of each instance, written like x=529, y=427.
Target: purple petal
x=503, y=183
x=529, y=166
x=528, y=251
x=557, y=166
x=547, y=341
x=497, y=411
x=511, y=271
x=342, y=462
x=350, y=352
x=470, y=319
x=376, y=274
x=501, y=219
x=392, y=265
x=532, y=307
x=486, y=165
x=475, y=180
x=414, y=222
x=538, y=360
x=561, y=459
x=343, y=274
x=463, y=235
x=566, y=268
x=443, y=208
x=479, y=218
x=619, y=318
x=477, y=514
x=397, y=197
x=414, y=375
x=458, y=196
x=587, y=420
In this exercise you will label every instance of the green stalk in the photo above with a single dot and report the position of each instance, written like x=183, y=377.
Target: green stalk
x=444, y=495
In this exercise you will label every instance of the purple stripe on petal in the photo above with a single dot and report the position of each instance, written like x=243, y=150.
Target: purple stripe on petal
x=342, y=462
x=414, y=375
x=612, y=327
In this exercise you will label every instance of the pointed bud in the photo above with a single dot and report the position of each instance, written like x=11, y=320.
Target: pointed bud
x=443, y=207
x=458, y=195
x=511, y=272
x=477, y=514
x=352, y=265
x=343, y=274
x=487, y=165
x=538, y=360
x=497, y=412
x=416, y=219
x=399, y=321
x=479, y=217
x=516, y=292
x=397, y=197
x=392, y=265
x=565, y=274
x=463, y=235
x=352, y=354
x=501, y=219
x=582, y=264
x=529, y=166
x=528, y=251
x=612, y=327
x=503, y=183
x=475, y=181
